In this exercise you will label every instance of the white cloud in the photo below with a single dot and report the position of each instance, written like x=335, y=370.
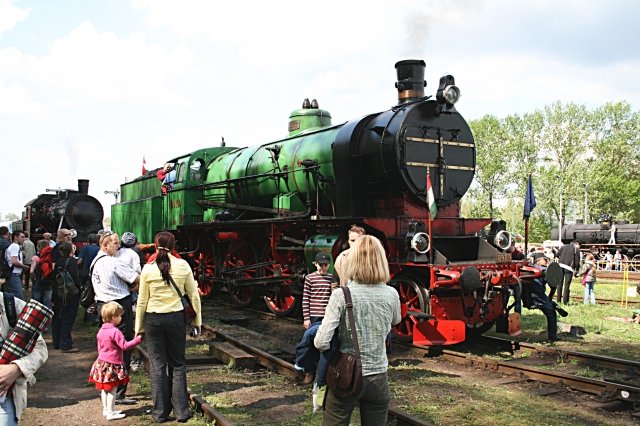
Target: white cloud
x=88, y=66
x=16, y=101
x=10, y=15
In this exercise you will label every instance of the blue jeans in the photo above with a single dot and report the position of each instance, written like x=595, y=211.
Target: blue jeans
x=64, y=316
x=310, y=358
x=14, y=286
x=8, y=413
x=42, y=294
x=307, y=356
x=539, y=300
x=589, y=294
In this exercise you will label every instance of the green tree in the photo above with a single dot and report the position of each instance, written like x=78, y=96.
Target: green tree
x=492, y=159
x=614, y=172
x=564, y=143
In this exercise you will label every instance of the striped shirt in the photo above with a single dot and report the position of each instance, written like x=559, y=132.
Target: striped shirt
x=317, y=289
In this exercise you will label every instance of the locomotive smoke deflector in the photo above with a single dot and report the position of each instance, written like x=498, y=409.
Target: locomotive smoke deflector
x=411, y=82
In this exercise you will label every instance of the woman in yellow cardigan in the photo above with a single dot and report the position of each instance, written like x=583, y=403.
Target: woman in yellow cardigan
x=159, y=315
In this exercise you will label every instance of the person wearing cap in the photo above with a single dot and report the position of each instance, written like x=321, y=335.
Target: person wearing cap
x=128, y=255
x=315, y=296
x=535, y=297
x=126, y=252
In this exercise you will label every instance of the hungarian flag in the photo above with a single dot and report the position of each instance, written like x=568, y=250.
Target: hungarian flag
x=431, y=200
x=144, y=166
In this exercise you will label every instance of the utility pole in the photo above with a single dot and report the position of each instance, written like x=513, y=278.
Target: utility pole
x=115, y=194
x=586, y=206
x=561, y=205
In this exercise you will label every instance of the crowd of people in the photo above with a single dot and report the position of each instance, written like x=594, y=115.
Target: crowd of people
x=118, y=272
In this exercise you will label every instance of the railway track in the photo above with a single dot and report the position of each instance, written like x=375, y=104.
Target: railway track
x=272, y=363
x=606, y=390
x=601, y=301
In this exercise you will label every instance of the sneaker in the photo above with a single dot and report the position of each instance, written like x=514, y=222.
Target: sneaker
x=318, y=395
x=105, y=412
x=70, y=350
x=113, y=416
x=125, y=401
x=136, y=365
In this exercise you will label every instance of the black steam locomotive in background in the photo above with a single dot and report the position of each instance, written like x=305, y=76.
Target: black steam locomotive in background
x=66, y=208
x=596, y=238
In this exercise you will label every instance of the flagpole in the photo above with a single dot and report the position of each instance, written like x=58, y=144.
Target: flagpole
x=528, y=197
x=429, y=219
x=526, y=236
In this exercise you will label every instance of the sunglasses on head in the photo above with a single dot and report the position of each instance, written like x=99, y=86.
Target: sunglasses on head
x=104, y=234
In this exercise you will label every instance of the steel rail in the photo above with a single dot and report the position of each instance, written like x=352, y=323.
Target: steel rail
x=618, y=364
x=198, y=402
x=609, y=301
x=607, y=390
x=286, y=369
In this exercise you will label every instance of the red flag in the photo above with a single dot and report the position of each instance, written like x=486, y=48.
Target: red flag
x=144, y=166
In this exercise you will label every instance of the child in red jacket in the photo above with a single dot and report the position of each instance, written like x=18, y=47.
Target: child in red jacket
x=109, y=371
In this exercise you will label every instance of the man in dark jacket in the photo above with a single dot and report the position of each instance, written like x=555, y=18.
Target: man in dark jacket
x=536, y=298
x=569, y=261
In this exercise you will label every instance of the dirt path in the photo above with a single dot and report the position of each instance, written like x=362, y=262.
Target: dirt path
x=62, y=395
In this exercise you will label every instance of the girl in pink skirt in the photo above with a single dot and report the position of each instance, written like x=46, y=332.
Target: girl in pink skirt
x=109, y=371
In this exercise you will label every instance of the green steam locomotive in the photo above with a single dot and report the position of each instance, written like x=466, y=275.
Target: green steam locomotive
x=250, y=220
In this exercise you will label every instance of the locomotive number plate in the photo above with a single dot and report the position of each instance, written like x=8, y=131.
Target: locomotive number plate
x=503, y=257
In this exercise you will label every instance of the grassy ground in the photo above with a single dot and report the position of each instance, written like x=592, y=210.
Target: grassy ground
x=605, y=335
x=444, y=398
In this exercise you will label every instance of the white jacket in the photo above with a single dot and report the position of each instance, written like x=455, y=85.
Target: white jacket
x=28, y=364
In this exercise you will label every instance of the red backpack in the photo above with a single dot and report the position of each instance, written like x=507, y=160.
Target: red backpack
x=45, y=265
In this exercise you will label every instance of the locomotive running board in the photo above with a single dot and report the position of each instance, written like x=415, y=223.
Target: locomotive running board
x=435, y=332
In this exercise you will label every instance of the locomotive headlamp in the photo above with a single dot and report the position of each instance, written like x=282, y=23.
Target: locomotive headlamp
x=420, y=242
x=451, y=94
x=448, y=93
x=417, y=242
x=502, y=240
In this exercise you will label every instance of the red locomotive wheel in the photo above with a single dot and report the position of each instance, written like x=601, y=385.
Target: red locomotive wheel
x=204, y=268
x=280, y=299
x=413, y=297
x=242, y=296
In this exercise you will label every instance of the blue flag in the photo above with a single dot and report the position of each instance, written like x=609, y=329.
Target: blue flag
x=529, y=200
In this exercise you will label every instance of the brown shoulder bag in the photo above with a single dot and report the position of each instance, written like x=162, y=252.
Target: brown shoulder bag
x=344, y=373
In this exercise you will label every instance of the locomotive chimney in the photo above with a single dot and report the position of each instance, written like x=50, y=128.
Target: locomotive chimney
x=411, y=81
x=83, y=186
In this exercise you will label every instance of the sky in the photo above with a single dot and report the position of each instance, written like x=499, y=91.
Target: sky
x=90, y=88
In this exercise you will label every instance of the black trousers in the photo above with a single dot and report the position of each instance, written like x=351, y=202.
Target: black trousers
x=165, y=336
x=564, y=287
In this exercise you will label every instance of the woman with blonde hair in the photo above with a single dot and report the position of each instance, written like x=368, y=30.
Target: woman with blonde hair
x=160, y=316
x=376, y=307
